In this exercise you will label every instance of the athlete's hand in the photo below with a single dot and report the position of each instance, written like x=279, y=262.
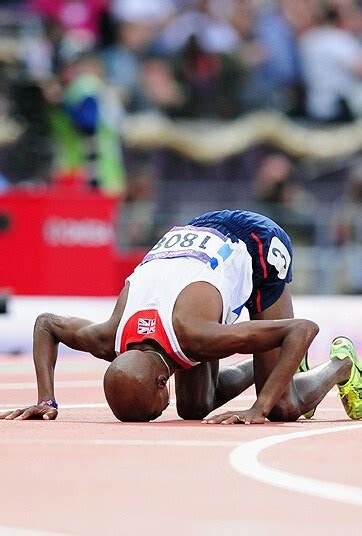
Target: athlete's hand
x=38, y=411
x=248, y=416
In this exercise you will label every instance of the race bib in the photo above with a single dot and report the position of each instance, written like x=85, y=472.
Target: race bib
x=205, y=245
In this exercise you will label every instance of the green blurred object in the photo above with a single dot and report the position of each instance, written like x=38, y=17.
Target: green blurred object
x=76, y=148
x=71, y=154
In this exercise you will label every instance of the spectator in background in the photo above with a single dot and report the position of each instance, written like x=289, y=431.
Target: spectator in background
x=207, y=22
x=124, y=60
x=210, y=82
x=27, y=159
x=347, y=225
x=145, y=80
x=86, y=120
x=275, y=72
x=345, y=233
x=302, y=15
x=80, y=19
x=279, y=195
x=274, y=181
x=354, y=189
x=351, y=16
x=43, y=52
x=160, y=89
x=155, y=12
x=251, y=54
x=331, y=59
x=15, y=4
x=137, y=218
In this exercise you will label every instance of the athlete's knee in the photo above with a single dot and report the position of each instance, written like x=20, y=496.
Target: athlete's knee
x=285, y=410
x=43, y=319
x=309, y=328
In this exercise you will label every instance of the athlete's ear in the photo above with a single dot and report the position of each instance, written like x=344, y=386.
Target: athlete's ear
x=161, y=381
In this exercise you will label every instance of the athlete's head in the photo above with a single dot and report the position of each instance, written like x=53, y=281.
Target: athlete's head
x=135, y=385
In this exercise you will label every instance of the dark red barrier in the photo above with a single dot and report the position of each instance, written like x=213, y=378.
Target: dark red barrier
x=60, y=243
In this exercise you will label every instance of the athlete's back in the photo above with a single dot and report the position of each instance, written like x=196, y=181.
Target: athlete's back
x=183, y=256
x=267, y=243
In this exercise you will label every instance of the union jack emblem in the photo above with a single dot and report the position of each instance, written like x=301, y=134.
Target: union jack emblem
x=146, y=326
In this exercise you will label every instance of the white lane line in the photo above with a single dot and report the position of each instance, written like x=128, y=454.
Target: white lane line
x=61, y=384
x=121, y=442
x=245, y=461
x=165, y=443
x=8, y=407
x=14, y=531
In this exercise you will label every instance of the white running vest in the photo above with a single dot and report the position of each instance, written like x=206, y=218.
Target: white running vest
x=183, y=256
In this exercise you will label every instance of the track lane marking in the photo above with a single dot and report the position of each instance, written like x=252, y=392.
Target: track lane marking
x=122, y=442
x=8, y=407
x=17, y=531
x=71, y=384
x=244, y=460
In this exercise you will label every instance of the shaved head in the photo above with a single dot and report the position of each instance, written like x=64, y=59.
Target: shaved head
x=135, y=386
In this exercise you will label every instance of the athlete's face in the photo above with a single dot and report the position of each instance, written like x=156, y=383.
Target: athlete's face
x=162, y=400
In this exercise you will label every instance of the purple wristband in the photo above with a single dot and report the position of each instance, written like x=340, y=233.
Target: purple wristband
x=51, y=403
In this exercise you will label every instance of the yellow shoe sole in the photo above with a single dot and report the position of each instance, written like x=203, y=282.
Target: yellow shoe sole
x=350, y=392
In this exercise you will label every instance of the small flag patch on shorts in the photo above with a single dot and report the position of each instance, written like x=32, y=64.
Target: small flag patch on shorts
x=146, y=326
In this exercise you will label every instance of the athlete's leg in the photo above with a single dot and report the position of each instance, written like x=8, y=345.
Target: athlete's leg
x=203, y=338
x=203, y=388
x=306, y=389
x=233, y=380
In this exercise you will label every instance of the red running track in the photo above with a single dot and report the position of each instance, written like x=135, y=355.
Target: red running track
x=88, y=474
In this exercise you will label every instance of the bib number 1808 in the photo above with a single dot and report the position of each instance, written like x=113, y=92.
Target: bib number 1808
x=181, y=240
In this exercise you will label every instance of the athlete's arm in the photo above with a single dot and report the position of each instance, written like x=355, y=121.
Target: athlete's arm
x=78, y=334
x=292, y=336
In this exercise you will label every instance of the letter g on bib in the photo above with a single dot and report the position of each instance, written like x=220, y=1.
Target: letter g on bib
x=279, y=256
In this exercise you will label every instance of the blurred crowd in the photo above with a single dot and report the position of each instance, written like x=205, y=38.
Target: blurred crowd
x=206, y=58
x=79, y=66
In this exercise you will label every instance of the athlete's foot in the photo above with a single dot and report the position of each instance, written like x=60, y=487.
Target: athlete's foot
x=304, y=367
x=350, y=391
